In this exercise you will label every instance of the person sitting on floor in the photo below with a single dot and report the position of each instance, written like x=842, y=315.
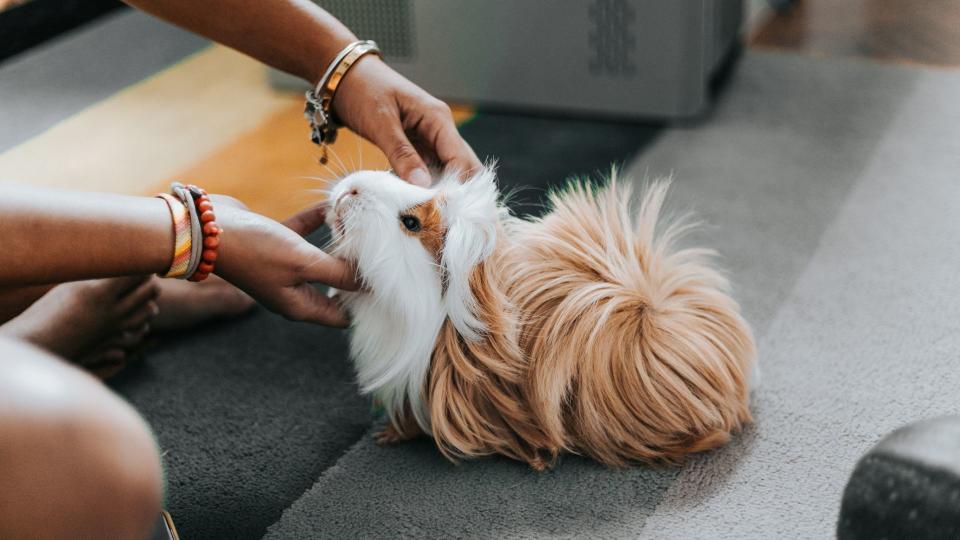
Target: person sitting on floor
x=78, y=461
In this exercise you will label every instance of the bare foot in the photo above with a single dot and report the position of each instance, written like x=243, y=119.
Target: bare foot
x=102, y=324
x=185, y=303
x=95, y=323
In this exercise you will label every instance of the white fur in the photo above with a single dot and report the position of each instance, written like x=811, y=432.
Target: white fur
x=470, y=215
x=396, y=319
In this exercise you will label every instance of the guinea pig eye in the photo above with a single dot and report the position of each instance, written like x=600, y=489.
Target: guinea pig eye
x=411, y=223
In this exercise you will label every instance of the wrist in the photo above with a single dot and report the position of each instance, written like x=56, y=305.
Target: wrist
x=324, y=123
x=159, y=257
x=231, y=220
x=364, y=69
x=195, y=231
x=324, y=53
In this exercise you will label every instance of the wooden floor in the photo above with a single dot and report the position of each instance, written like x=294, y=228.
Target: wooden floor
x=910, y=31
x=262, y=157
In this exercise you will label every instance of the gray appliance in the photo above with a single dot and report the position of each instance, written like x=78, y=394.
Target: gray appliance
x=619, y=58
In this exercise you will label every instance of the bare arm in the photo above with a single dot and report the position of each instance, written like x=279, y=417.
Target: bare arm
x=298, y=37
x=50, y=236
x=295, y=36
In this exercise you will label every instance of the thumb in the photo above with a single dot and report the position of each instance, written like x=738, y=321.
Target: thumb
x=329, y=270
x=403, y=157
x=308, y=220
x=316, y=307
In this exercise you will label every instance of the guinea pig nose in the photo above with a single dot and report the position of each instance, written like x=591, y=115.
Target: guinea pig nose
x=352, y=192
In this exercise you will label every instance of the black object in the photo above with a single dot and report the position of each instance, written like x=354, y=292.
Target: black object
x=30, y=24
x=537, y=153
x=907, y=486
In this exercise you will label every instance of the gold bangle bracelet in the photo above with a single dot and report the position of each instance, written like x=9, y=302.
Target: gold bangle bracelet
x=323, y=126
x=341, y=69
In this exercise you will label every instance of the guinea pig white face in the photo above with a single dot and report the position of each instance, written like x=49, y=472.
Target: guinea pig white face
x=415, y=249
x=380, y=222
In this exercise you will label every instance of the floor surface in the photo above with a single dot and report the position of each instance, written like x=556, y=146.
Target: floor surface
x=828, y=186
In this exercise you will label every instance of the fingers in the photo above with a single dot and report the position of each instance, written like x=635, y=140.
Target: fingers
x=403, y=157
x=142, y=317
x=330, y=271
x=309, y=220
x=128, y=339
x=312, y=305
x=454, y=152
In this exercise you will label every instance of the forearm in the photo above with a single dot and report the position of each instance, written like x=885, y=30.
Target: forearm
x=49, y=236
x=295, y=36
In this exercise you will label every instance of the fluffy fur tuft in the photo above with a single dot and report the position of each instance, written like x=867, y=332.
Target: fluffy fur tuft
x=636, y=351
x=585, y=331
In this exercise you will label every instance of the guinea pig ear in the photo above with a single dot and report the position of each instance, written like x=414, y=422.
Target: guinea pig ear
x=471, y=215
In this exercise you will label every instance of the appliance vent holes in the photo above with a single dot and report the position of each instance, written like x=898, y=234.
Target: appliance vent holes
x=611, y=38
x=388, y=22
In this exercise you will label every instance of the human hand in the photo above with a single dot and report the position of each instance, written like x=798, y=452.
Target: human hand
x=404, y=121
x=272, y=262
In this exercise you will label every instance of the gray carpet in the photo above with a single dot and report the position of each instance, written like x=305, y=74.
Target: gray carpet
x=862, y=334
x=830, y=186
x=248, y=414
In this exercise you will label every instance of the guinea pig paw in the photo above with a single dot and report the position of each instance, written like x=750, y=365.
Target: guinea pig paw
x=388, y=436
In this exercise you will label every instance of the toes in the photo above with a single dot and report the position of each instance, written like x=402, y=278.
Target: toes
x=111, y=355
x=128, y=339
x=106, y=362
x=117, y=353
x=137, y=298
x=142, y=316
x=109, y=365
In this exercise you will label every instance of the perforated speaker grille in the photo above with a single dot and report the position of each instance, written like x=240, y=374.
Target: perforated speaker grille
x=388, y=22
x=611, y=38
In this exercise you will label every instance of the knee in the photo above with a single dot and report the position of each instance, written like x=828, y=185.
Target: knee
x=82, y=462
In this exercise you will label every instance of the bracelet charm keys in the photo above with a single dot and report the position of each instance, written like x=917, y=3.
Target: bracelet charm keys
x=318, y=110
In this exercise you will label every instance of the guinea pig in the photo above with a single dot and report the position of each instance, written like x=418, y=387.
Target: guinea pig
x=586, y=330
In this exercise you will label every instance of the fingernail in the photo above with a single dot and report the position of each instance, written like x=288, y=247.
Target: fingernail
x=420, y=177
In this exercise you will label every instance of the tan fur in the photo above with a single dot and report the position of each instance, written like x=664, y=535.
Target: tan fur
x=432, y=231
x=603, y=339
x=475, y=389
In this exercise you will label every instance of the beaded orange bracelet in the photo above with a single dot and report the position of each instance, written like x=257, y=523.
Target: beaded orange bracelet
x=210, y=233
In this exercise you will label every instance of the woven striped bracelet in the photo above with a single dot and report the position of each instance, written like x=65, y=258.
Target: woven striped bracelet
x=183, y=237
x=196, y=231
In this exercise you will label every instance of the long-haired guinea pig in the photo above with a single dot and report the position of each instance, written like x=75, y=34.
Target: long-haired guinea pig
x=585, y=331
